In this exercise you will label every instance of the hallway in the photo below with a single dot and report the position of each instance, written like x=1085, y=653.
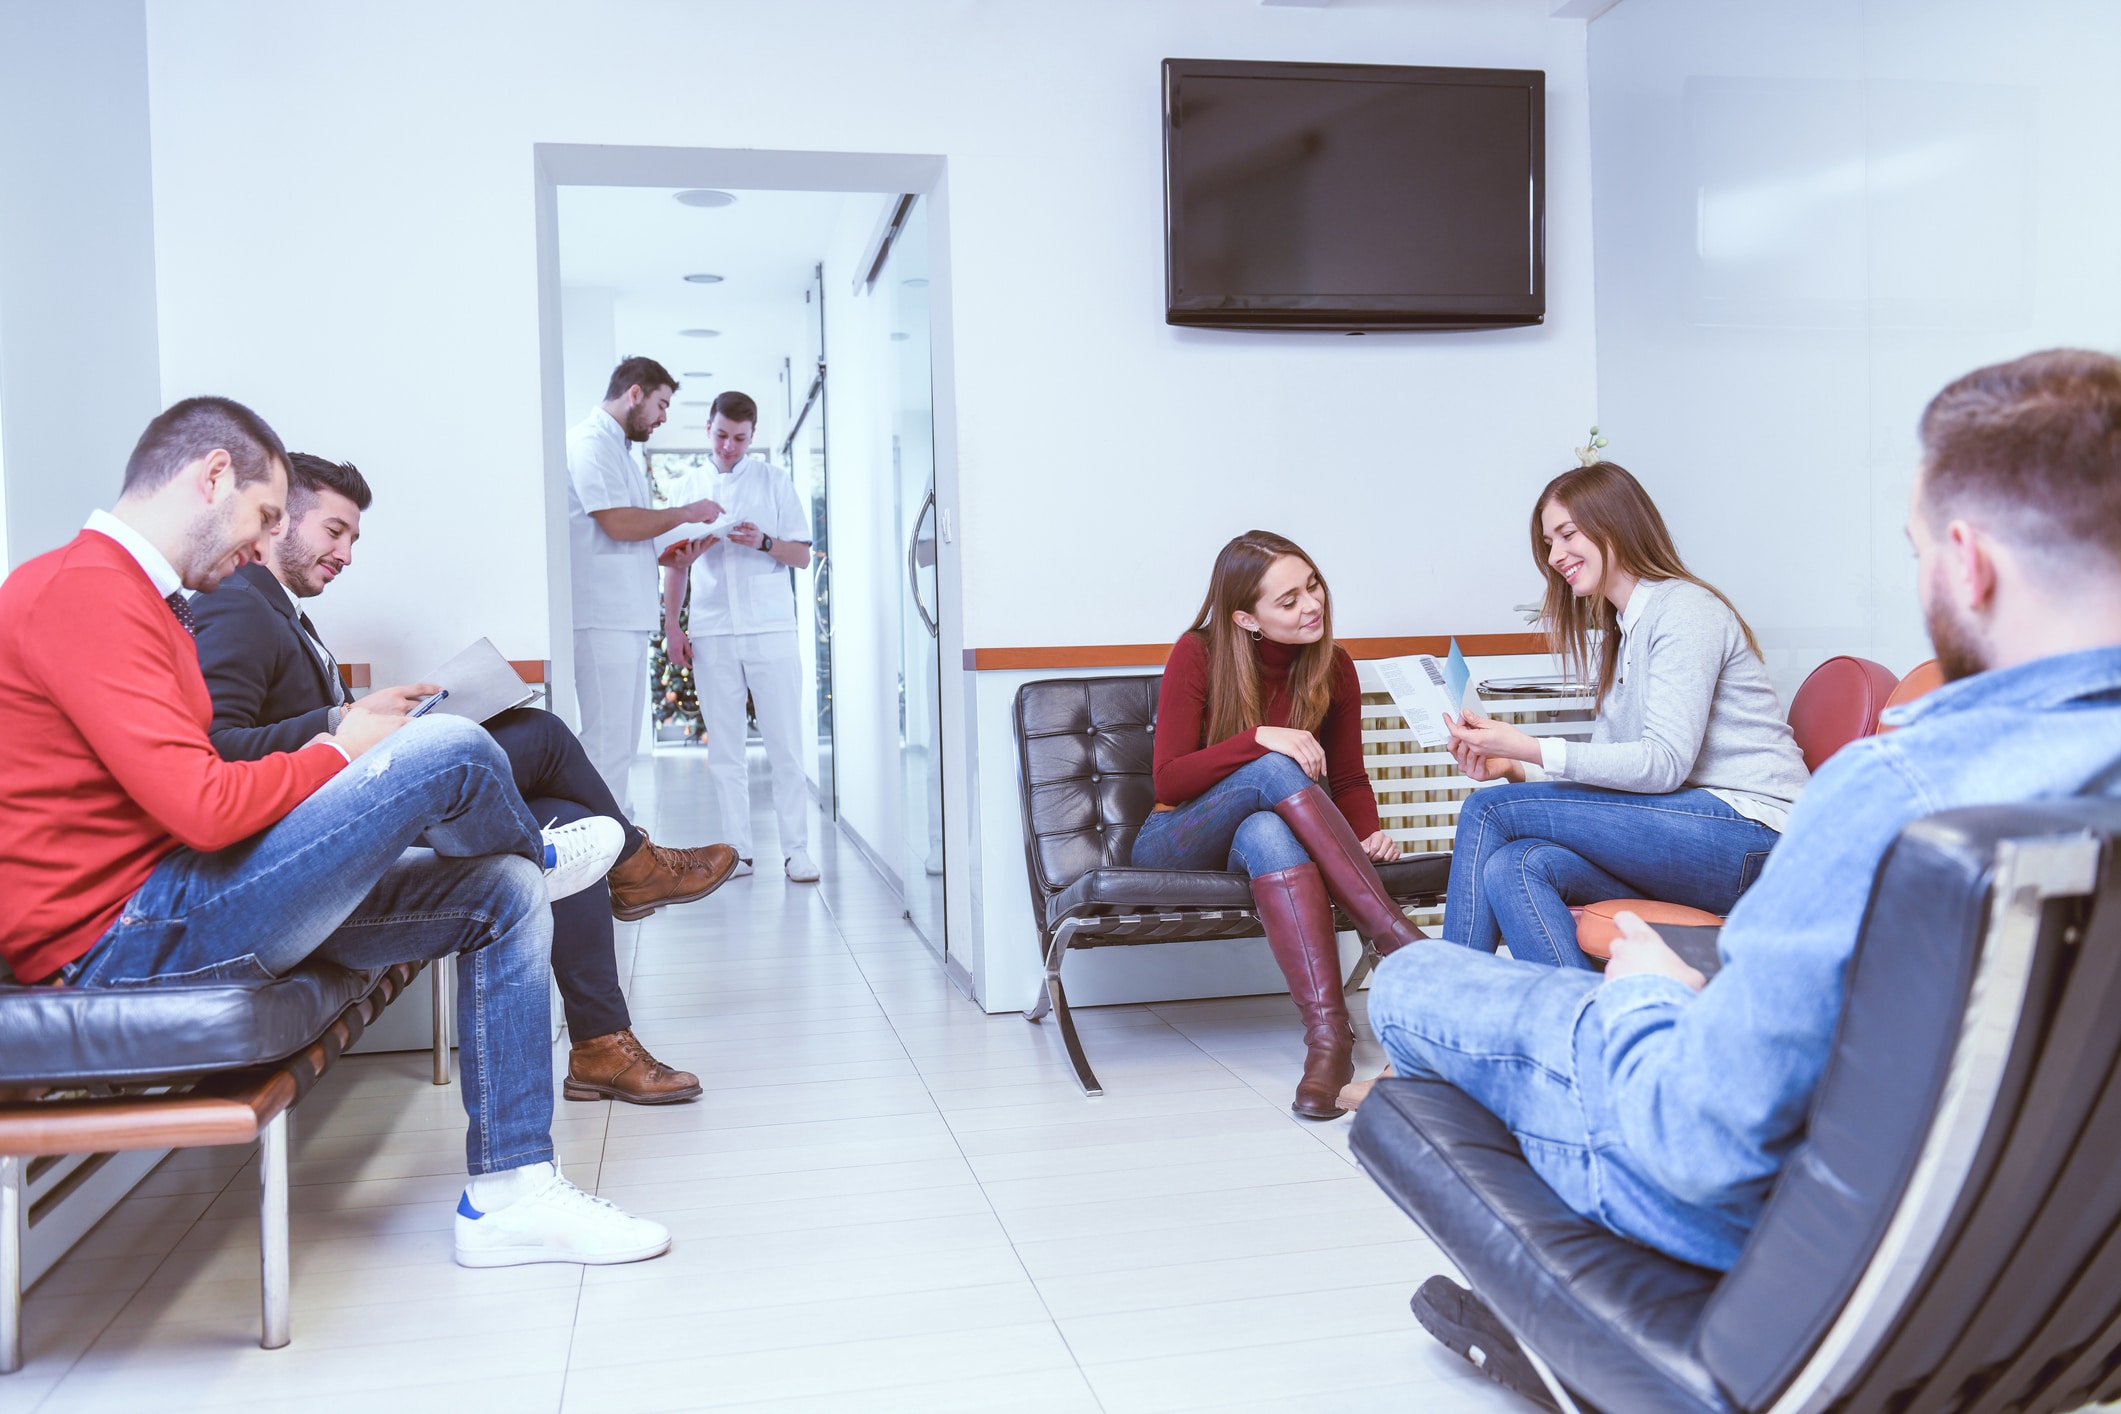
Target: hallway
x=886, y=1200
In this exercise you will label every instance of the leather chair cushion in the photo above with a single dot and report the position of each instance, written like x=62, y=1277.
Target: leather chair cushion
x=1614, y=1319
x=1596, y=928
x=1839, y=702
x=83, y=1035
x=1128, y=890
x=1416, y=876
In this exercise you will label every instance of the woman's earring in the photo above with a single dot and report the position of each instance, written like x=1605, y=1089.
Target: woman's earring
x=1255, y=635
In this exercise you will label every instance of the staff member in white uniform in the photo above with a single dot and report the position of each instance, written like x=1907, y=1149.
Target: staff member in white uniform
x=611, y=538
x=743, y=628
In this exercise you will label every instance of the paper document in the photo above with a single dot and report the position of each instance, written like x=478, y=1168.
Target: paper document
x=480, y=684
x=695, y=530
x=1425, y=689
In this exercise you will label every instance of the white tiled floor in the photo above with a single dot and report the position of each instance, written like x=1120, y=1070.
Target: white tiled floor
x=886, y=1200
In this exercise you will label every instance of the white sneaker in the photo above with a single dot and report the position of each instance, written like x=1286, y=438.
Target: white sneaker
x=558, y=1223
x=743, y=868
x=801, y=867
x=578, y=855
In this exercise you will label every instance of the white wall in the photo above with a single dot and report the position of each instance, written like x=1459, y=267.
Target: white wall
x=78, y=374
x=1810, y=216
x=386, y=311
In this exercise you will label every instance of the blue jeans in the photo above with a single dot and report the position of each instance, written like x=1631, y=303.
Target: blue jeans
x=1231, y=825
x=1516, y=1037
x=1525, y=853
x=340, y=877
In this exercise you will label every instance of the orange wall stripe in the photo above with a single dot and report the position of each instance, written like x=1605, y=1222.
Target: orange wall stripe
x=1152, y=655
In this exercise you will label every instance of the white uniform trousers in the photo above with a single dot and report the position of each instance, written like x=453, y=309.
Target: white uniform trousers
x=724, y=667
x=611, y=687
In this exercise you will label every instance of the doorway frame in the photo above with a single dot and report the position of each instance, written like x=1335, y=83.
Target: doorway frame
x=764, y=169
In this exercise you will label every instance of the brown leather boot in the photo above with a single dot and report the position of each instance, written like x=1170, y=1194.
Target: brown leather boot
x=1298, y=918
x=1323, y=831
x=618, y=1067
x=656, y=877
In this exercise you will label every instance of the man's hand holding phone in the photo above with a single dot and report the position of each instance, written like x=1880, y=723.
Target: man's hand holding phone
x=394, y=701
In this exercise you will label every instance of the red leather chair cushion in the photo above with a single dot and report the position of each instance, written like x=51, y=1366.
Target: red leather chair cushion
x=1921, y=680
x=1838, y=703
x=1595, y=928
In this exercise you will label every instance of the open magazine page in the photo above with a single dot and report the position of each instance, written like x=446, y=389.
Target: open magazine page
x=1426, y=689
x=480, y=684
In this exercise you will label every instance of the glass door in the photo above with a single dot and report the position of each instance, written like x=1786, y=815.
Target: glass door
x=803, y=453
x=903, y=283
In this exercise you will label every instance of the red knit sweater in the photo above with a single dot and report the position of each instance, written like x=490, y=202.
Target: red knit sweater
x=1188, y=764
x=104, y=763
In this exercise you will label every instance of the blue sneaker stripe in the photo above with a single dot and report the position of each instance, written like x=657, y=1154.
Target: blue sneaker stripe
x=552, y=856
x=464, y=1208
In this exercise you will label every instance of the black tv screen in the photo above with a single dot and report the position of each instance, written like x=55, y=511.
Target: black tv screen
x=1353, y=196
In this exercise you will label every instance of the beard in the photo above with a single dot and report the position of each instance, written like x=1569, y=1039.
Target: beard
x=1960, y=653
x=297, y=566
x=209, y=541
x=639, y=423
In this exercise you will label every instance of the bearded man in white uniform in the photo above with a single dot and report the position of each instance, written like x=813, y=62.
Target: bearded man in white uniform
x=742, y=635
x=611, y=530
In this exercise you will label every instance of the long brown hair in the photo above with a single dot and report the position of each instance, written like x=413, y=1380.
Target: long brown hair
x=1610, y=506
x=1235, y=701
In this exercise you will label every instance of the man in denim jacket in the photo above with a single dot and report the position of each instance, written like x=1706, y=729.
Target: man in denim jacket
x=1663, y=1107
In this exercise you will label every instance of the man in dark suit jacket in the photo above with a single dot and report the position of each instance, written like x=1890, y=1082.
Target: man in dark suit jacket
x=275, y=686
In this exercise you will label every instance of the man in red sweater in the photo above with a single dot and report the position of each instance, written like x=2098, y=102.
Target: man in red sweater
x=135, y=855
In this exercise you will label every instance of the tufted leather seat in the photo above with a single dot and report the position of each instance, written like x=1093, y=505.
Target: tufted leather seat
x=1948, y=1234
x=64, y=1036
x=1085, y=757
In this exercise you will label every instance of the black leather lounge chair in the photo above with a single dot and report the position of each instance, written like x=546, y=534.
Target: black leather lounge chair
x=1083, y=748
x=1947, y=1238
x=101, y=1070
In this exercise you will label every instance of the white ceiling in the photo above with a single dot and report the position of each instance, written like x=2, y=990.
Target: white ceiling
x=638, y=243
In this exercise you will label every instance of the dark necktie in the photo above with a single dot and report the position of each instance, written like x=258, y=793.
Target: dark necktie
x=331, y=664
x=181, y=607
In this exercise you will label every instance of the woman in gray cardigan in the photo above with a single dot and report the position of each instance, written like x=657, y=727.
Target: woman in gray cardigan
x=1690, y=771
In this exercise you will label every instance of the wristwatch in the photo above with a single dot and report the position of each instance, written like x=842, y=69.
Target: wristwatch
x=766, y=544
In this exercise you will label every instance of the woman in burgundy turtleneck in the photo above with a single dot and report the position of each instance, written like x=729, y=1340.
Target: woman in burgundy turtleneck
x=1258, y=705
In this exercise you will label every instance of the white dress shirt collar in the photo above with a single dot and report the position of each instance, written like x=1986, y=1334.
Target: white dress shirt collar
x=152, y=562
x=1639, y=603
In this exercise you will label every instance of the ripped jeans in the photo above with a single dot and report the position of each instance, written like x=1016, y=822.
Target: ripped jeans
x=419, y=850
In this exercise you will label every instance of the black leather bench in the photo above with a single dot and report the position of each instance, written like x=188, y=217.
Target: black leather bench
x=1947, y=1238
x=99, y=1070
x=1084, y=751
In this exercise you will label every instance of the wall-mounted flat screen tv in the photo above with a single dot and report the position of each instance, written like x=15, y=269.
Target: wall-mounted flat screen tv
x=1353, y=196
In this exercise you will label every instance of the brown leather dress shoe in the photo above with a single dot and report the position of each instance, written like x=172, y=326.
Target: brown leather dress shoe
x=618, y=1067
x=656, y=877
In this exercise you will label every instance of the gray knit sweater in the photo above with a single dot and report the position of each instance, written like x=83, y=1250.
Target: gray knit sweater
x=1691, y=707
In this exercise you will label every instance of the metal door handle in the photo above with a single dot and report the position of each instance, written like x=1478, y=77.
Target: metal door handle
x=913, y=565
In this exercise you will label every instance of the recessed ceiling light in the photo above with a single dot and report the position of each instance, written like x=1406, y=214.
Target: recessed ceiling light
x=699, y=375
x=697, y=403
x=915, y=283
x=712, y=280
x=701, y=197
x=701, y=333
x=898, y=338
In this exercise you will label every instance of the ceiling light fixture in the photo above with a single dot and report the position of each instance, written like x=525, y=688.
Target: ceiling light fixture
x=701, y=333
x=699, y=375
x=703, y=279
x=898, y=338
x=703, y=197
x=914, y=283
x=696, y=403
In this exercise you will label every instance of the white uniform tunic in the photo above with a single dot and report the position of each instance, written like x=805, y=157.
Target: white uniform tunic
x=742, y=625
x=736, y=589
x=615, y=601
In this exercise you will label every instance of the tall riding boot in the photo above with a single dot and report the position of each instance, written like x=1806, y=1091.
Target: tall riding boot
x=1298, y=918
x=1323, y=831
